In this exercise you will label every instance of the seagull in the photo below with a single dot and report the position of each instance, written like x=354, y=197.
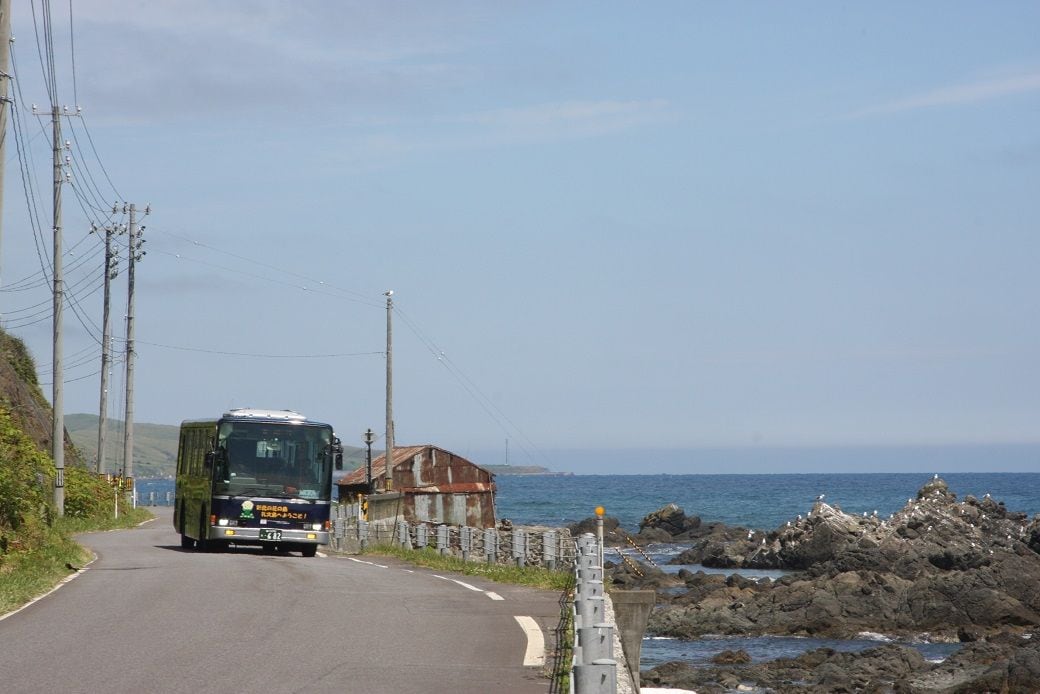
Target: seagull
x=820, y=497
x=875, y=513
x=799, y=517
x=935, y=476
x=751, y=534
x=864, y=514
x=763, y=541
x=789, y=525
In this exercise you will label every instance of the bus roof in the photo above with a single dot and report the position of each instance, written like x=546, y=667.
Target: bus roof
x=246, y=414
x=253, y=413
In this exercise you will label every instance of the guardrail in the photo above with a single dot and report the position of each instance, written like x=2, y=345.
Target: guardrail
x=552, y=548
x=596, y=636
x=593, y=668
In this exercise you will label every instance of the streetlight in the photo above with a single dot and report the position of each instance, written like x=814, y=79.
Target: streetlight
x=369, y=438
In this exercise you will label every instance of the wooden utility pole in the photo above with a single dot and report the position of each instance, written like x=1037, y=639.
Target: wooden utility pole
x=106, y=349
x=5, y=78
x=57, y=387
x=135, y=253
x=389, y=386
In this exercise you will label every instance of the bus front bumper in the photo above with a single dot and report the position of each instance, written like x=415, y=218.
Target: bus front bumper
x=262, y=536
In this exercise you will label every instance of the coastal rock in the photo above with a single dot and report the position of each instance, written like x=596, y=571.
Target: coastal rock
x=727, y=657
x=1009, y=665
x=672, y=520
x=938, y=566
x=613, y=534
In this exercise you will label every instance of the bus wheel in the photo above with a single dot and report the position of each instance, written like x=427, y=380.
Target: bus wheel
x=187, y=542
x=202, y=544
x=308, y=550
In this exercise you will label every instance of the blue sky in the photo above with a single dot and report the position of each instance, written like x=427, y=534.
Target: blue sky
x=606, y=225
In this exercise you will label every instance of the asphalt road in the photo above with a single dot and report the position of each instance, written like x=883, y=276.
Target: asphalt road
x=147, y=616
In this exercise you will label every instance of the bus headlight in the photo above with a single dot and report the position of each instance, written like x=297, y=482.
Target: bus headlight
x=316, y=526
x=222, y=521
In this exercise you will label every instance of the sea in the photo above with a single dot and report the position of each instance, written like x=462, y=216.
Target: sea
x=759, y=501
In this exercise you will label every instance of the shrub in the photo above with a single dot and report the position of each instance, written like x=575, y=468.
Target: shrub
x=87, y=495
x=26, y=476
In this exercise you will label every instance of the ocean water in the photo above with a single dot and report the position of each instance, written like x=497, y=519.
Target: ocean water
x=760, y=501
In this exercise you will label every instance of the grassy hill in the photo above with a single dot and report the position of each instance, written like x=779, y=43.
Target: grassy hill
x=155, y=445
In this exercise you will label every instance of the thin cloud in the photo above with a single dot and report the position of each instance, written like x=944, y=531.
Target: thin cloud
x=958, y=95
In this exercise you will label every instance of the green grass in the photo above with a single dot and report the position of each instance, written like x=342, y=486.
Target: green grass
x=27, y=574
x=533, y=576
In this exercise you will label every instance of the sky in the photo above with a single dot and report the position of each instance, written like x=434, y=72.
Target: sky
x=609, y=226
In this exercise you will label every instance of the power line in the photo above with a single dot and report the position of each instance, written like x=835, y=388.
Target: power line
x=259, y=355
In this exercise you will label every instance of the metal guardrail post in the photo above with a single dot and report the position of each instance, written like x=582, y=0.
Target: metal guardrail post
x=597, y=677
x=549, y=549
x=442, y=539
x=422, y=537
x=519, y=546
x=591, y=610
x=589, y=589
x=490, y=545
x=597, y=642
x=403, y=534
x=465, y=541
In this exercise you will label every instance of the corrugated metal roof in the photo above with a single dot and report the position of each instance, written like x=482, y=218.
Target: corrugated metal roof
x=401, y=454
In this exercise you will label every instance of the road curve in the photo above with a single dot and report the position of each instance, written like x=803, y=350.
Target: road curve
x=147, y=616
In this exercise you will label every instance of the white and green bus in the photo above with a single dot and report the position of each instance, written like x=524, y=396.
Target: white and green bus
x=255, y=477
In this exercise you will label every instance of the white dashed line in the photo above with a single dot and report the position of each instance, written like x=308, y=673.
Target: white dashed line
x=359, y=561
x=493, y=596
x=464, y=585
x=534, y=656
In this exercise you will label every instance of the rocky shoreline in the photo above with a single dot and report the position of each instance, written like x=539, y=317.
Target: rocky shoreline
x=939, y=569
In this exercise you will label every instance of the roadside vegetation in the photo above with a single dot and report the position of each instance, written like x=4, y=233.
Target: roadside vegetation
x=36, y=549
x=532, y=576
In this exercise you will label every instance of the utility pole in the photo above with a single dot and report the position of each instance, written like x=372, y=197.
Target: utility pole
x=5, y=78
x=111, y=264
x=390, y=400
x=389, y=384
x=135, y=253
x=57, y=395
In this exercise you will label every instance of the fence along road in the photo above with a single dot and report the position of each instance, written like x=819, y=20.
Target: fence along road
x=149, y=616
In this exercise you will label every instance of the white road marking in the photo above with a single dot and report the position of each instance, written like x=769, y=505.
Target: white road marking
x=464, y=585
x=359, y=561
x=534, y=656
x=493, y=596
x=70, y=577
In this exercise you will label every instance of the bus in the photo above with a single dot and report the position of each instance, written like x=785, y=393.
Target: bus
x=255, y=477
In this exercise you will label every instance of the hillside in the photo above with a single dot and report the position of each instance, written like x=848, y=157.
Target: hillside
x=20, y=395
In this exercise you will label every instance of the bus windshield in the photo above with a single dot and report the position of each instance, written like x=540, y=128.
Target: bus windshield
x=277, y=459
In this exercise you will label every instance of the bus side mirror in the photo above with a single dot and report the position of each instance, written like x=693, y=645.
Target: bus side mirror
x=208, y=460
x=337, y=448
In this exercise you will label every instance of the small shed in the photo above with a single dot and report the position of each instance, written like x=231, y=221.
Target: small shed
x=426, y=484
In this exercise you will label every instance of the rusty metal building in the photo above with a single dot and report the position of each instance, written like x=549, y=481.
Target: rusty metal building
x=427, y=484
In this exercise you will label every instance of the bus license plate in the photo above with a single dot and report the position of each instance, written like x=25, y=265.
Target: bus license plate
x=266, y=534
